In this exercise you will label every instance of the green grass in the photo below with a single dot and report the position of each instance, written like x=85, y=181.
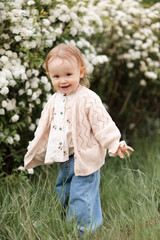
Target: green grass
x=130, y=197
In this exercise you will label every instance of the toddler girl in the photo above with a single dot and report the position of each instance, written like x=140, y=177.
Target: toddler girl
x=75, y=130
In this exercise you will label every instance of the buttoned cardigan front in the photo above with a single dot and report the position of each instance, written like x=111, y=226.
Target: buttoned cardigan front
x=93, y=131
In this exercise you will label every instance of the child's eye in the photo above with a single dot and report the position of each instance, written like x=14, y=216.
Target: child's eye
x=56, y=76
x=69, y=74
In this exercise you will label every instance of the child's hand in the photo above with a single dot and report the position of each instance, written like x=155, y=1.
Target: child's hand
x=123, y=149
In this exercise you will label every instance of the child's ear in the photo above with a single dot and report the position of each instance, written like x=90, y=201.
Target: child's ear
x=48, y=74
x=82, y=71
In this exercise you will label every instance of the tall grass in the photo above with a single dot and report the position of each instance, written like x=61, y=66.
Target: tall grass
x=130, y=197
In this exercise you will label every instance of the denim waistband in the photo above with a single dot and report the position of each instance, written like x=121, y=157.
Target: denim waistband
x=72, y=155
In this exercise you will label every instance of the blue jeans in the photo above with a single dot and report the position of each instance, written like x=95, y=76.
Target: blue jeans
x=81, y=195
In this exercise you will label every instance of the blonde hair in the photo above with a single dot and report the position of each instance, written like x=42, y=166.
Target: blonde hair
x=66, y=52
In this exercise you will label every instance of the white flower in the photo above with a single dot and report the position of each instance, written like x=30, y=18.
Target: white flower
x=35, y=72
x=34, y=12
x=7, y=73
x=29, y=73
x=143, y=82
x=52, y=18
x=29, y=119
x=9, y=53
x=15, y=56
x=21, y=168
x=34, y=96
x=4, y=91
x=156, y=64
x=30, y=171
x=131, y=126
x=79, y=44
x=138, y=43
x=144, y=54
x=6, y=46
x=64, y=8
x=72, y=42
x=29, y=92
x=49, y=43
x=5, y=36
x=3, y=81
x=38, y=101
x=2, y=51
x=18, y=38
x=73, y=16
x=47, y=87
x=37, y=120
x=11, y=104
x=130, y=65
x=16, y=73
x=2, y=111
x=32, y=127
x=12, y=83
x=4, y=103
x=46, y=22
x=131, y=74
x=17, y=137
x=25, y=64
x=30, y=2
x=64, y=18
x=34, y=84
x=21, y=92
x=44, y=80
x=16, y=30
x=73, y=31
x=26, y=32
x=150, y=75
x=10, y=140
x=15, y=118
x=21, y=103
x=143, y=66
x=155, y=26
x=58, y=31
x=4, y=59
x=23, y=76
x=90, y=68
x=45, y=2
x=154, y=49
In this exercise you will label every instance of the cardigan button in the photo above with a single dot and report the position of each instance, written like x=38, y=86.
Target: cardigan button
x=77, y=171
x=67, y=106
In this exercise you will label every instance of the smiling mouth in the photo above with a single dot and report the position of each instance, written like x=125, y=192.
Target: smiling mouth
x=65, y=86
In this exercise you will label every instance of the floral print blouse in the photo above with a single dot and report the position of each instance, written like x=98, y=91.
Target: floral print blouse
x=60, y=144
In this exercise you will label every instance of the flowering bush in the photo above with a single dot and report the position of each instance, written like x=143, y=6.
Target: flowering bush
x=29, y=30
x=130, y=85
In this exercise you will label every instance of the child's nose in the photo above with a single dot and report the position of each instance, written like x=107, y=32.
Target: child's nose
x=63, y=80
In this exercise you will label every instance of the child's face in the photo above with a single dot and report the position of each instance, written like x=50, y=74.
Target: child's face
x=65, y=74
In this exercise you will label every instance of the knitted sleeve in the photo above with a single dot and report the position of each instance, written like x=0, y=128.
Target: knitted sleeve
x=103, y=127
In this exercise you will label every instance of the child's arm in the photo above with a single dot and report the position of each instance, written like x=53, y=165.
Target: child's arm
x=104, y=128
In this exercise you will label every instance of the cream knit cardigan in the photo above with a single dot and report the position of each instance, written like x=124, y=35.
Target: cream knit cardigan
x=93, y=131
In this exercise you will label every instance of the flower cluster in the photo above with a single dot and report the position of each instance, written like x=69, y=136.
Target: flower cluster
x=132, y=34
x=30, y=28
